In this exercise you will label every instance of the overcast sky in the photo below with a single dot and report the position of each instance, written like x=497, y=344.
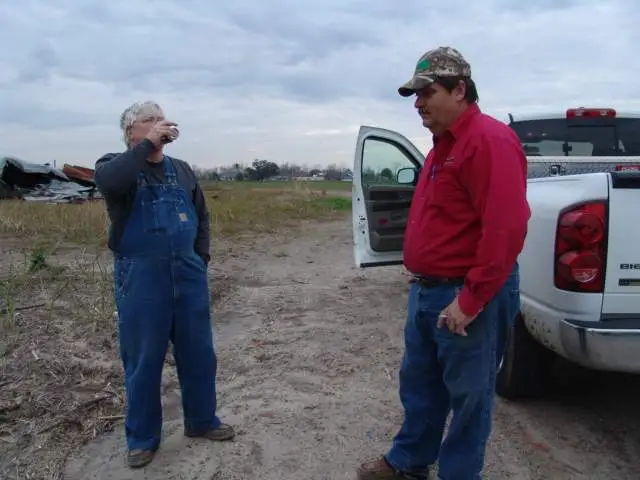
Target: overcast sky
x=290, y=80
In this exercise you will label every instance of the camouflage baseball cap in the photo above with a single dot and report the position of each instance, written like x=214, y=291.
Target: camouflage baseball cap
x=439, y=62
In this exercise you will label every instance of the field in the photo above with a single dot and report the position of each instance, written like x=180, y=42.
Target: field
x=308, y=347
x=327, y=185
x=235, y=207
x=60, y=383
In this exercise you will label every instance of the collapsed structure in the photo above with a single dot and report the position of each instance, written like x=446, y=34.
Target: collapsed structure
x=42, y=183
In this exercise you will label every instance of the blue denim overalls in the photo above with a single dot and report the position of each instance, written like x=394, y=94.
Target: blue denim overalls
x=162, y=294
x=442, y=371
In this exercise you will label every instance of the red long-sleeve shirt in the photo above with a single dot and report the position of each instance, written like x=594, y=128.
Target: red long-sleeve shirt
x=469, y=212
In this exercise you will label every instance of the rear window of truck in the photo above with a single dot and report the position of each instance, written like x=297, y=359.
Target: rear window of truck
x=586, y=137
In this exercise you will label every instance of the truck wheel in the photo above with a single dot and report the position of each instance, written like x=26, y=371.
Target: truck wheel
x=525, y=369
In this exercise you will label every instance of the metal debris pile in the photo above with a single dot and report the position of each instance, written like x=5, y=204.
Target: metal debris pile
x=32, y=182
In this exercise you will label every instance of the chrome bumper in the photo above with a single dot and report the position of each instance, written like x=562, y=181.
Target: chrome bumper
x=601, y=348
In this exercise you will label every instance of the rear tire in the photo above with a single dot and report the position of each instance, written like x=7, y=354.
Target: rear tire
x=525, y=369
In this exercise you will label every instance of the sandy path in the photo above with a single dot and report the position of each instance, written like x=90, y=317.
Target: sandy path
x=309, y=350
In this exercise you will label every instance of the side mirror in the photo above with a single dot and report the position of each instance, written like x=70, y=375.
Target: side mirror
x=406, y=176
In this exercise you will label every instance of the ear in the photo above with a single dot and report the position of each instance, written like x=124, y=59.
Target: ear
x=128, y=140
x=460, y=91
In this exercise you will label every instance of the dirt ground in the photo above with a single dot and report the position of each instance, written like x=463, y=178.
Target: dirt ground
x=309, y=349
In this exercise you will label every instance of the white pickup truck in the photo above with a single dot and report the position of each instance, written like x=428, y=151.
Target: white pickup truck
x=580, y=266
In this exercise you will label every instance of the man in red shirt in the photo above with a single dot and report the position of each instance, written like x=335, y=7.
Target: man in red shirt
x=465, y=230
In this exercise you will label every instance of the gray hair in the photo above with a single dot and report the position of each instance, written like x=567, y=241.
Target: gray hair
x=136, y=112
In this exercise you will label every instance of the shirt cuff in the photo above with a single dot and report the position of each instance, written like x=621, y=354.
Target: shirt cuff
x=468, y=304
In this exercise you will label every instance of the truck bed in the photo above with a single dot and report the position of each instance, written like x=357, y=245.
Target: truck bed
x=540, y=167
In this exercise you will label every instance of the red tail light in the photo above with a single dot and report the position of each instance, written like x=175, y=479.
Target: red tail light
x=626, y=168
x=580, y=255
x=590, y=112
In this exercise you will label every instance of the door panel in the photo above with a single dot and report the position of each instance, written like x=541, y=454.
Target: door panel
x=381, y=204
x=388, y=208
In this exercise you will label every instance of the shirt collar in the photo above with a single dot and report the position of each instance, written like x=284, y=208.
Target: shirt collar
x=460, y=125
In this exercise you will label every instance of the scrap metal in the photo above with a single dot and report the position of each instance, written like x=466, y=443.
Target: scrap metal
x=42, y=183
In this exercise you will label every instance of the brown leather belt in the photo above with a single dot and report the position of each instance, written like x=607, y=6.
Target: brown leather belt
x=430, y=282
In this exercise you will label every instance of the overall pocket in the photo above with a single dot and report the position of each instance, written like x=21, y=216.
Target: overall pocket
x=185, y=212
x=158, y=209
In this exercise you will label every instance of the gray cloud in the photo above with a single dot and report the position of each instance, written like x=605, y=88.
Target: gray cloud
x=290, y=80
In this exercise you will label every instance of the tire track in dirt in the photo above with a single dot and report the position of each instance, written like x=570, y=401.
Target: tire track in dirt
x=309, y=349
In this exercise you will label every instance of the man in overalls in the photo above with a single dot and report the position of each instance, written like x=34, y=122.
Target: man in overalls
x=159, y=235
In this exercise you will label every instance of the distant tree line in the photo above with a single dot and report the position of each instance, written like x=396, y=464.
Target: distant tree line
x=260, y=170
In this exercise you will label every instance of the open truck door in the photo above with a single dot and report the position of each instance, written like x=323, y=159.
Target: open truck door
x=385, y=173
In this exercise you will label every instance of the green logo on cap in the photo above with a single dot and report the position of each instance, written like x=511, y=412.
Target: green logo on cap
x=423, y=64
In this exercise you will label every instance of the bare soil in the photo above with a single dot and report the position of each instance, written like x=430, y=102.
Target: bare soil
x=309, y=349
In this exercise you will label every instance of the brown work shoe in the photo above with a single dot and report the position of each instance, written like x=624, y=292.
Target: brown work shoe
x=379, y=469
x=140, y=458
x=223, y=432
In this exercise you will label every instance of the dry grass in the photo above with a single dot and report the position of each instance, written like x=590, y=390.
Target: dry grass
x=245, y=209
x=235, y=208
x=60, y=375
x=59, y=383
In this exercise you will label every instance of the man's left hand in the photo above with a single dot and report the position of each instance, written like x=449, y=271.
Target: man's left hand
x=455, y=320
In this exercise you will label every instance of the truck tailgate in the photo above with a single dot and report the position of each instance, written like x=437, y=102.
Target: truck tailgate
x=622, y=282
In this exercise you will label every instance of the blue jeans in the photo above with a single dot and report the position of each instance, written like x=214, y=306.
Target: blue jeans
x=441, y=372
